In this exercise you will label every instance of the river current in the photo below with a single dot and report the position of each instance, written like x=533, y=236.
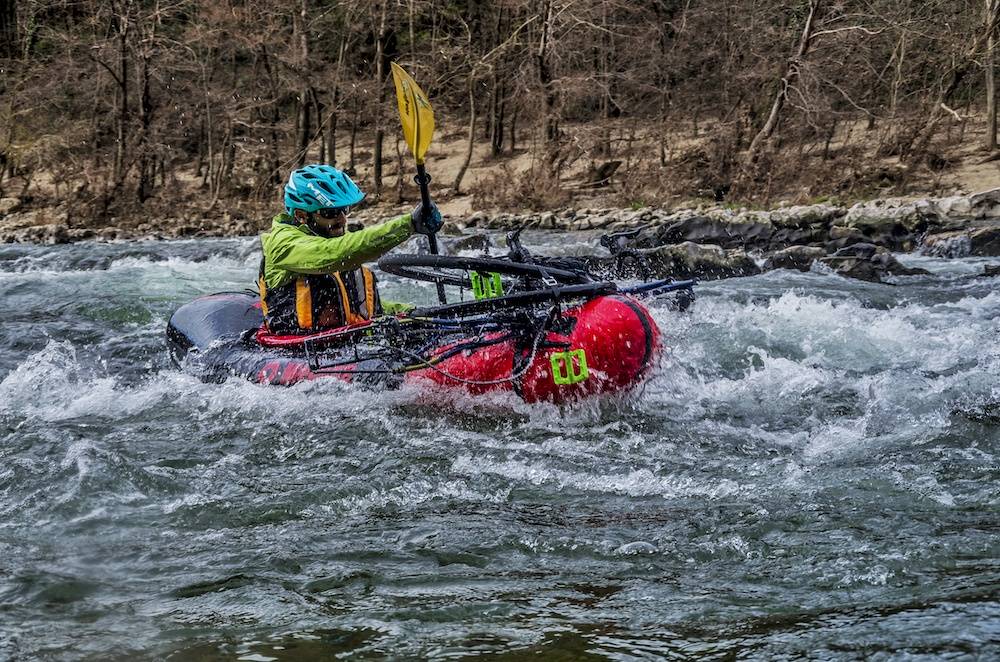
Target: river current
x=812, y=471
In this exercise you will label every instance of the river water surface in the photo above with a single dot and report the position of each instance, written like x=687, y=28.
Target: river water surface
x=812, y=471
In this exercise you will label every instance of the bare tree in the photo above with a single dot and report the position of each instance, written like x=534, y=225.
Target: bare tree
x=992, y=15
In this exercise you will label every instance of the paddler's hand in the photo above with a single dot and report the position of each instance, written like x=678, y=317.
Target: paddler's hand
x=426, y=219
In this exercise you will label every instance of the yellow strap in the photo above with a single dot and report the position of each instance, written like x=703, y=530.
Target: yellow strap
x=345, y=302
x=262, y=285
x=369, y=292
x=303, y=303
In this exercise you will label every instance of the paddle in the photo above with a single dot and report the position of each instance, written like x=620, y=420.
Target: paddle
x=417, y=118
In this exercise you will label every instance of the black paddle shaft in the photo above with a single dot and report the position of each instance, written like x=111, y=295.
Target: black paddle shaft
x=423, y=180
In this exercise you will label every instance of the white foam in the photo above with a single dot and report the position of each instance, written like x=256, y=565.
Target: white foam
x=641, y=482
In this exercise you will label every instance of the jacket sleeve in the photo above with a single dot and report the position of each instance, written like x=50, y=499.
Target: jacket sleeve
x=311, y=254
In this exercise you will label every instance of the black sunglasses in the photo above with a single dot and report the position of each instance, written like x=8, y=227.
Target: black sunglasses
x=333, y=212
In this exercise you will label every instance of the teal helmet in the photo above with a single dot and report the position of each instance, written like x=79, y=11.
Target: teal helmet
x=316, y=187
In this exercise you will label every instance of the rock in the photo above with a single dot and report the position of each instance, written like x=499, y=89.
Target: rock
x=81, y=234
x=841, y=236
x=49, y=233
x=599, y=221
x=691, y=260
x=985, y=242
x=991, y=270
x=882, y=214
x=746, y=229
x=799, y=258
x=802, y=216
x=703, y=229
x=863, y=251
x=109, y=234
x=8, y=205
x=473, y=242
x=947, y=244
x=955, y=206
x=868, y=262
x=891, y=223
x=985, y=204
x=477, y=219
x=981, y=242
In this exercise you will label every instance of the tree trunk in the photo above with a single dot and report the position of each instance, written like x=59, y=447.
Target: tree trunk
x=146, y=163
x=331, y=134
x=272, y=160
x=320, y=132
x=456, y=187
x=604, y=72
x=550, y=123
x=513, y=130
x=200, y=163
x=8, y=29
x=497, y=108
x=992, y=9
x=791, y=73
x=122, y=20
x=351, y=163
x=304, y=116
x=498, y=92
x=380, y=98
x=219, y=173
x=400, y=180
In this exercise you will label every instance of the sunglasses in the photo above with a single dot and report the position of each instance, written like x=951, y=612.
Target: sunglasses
x=333, y=212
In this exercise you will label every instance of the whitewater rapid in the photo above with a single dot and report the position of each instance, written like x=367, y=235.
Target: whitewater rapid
x=812, y=470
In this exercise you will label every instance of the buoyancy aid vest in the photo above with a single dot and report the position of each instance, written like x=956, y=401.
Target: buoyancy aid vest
x=315, y=302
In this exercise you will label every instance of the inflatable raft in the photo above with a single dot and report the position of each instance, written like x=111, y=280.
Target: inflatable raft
x=547, y=333
x=607, y=344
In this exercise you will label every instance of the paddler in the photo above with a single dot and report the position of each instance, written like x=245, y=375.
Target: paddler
x=312, y=275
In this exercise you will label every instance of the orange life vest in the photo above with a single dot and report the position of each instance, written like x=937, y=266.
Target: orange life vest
x=315, y=302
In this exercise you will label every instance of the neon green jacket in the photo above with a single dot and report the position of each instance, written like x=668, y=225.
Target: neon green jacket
x=292, y=248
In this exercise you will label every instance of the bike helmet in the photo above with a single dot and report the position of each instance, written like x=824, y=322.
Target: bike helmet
x=315, y=187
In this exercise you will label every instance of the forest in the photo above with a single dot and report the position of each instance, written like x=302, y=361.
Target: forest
x=125, y=107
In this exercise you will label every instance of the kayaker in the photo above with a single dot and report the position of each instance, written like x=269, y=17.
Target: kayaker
x=312, y=275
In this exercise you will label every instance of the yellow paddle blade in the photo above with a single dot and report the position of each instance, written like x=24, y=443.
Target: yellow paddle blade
x=414, y=112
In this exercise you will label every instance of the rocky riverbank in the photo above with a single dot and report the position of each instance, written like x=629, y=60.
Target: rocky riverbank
x=704, y=242
x=856, y=241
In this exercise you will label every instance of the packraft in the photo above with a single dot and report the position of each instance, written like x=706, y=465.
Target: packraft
x=544, y=328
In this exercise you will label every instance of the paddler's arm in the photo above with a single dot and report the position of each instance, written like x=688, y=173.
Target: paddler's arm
x=312, y=254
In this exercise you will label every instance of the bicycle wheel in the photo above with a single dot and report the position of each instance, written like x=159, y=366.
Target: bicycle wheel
x=449, y=270
x=517, y=300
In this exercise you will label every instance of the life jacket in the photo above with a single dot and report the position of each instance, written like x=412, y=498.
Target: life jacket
x=315, y=302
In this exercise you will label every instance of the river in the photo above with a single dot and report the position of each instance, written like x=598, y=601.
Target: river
x=811, y=471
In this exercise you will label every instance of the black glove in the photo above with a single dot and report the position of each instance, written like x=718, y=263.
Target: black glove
x=427, y=220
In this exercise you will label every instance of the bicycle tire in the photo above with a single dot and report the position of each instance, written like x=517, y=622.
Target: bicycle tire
x=420, y=267
x=517, y=300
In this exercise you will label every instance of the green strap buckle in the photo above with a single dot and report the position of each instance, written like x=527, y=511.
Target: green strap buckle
x=486, y=286
x=565, y=370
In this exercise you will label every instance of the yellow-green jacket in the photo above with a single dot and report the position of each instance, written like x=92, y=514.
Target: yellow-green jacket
x=309, y=282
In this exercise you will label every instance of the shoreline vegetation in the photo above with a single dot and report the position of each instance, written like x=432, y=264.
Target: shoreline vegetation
x=854, y=122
